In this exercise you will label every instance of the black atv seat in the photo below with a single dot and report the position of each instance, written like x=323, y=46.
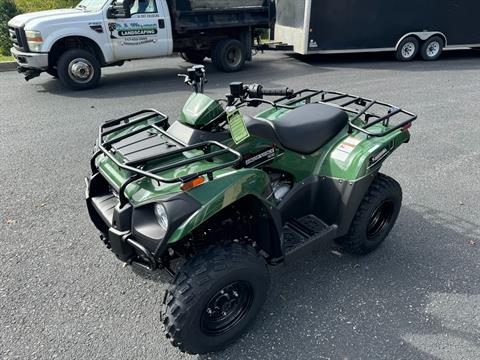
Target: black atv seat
x=303, y=130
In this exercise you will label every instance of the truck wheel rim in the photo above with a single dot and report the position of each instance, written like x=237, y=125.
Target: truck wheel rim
x=227, y=308
x=80, y=70
x=234, y=56
x=433, y=48
x=408, y=49
x=380, y=219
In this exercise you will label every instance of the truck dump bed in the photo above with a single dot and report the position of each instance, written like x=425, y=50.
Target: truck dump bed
x=209, y=14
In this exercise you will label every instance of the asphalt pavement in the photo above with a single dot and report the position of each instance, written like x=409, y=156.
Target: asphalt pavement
x=63, y=295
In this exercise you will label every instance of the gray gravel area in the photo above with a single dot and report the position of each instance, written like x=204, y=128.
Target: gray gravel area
x=62, y=295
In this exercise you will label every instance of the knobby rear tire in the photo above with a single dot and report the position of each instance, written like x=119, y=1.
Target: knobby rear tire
x=364, y=234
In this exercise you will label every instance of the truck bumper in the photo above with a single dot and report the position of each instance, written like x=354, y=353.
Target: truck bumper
x=28, y=60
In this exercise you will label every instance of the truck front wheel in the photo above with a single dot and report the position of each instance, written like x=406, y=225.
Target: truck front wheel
x=229, y=55
x=79, y=69
x=214, y=297
x=52, y=72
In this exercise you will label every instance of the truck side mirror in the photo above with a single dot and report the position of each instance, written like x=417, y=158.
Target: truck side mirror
x=119, y=10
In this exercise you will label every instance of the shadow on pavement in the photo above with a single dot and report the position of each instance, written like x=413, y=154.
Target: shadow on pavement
x=450, y=60
x=128, y=82
x=390, y=304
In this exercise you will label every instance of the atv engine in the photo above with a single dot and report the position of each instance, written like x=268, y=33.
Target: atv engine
x=281, y=185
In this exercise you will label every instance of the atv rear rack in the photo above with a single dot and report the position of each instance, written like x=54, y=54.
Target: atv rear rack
x=135, y=167
x=367, y=106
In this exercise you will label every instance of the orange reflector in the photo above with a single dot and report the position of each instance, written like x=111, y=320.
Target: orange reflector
x=193, y=183
x=35, y=39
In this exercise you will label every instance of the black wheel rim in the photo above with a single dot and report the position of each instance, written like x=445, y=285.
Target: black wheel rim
x=226, y=308
x=380, y=219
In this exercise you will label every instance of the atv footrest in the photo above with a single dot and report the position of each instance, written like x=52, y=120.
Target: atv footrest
x=305, y=232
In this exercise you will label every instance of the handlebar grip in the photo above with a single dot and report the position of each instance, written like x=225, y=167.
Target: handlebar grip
x=276, y=92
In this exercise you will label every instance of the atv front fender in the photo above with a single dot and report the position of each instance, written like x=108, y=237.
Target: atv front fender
x=216, y=195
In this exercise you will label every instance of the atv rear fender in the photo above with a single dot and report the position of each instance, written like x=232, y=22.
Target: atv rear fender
x=358, y=155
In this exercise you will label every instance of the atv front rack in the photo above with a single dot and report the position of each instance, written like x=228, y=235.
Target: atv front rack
x=158, y=126
x=372, y=112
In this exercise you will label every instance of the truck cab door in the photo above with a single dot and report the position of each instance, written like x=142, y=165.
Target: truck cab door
x=142, y=33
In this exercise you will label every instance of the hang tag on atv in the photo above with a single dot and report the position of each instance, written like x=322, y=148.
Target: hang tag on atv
x=238, y=130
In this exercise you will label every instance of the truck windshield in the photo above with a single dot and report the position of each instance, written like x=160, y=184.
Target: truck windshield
x=91, y=5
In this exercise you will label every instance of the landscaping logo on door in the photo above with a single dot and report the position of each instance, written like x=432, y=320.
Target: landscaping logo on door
x=135, y=29
x=132, y=29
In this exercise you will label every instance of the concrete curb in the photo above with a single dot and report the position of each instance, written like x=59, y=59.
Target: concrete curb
x=7, y=66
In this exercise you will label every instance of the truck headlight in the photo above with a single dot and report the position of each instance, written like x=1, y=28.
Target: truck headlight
x=34, y=40
x=161, y=215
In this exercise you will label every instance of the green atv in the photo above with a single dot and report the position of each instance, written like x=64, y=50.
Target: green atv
x=217, y=196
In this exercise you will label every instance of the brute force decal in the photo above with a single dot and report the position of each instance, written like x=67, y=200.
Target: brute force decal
x=260, y=158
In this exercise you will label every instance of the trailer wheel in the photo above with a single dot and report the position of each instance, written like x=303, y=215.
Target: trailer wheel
x=194, y=57
x=79, y=69
x=432, y=48
x=408, y=49
x=229, y=55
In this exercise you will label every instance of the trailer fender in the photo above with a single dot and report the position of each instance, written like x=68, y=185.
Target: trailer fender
x=423, y=36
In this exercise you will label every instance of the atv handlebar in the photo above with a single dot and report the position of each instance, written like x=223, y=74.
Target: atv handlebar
x=258, y=91
x=253, y=94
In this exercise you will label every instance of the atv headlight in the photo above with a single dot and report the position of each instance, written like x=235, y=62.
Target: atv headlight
x=161, y=215
x=34, y=40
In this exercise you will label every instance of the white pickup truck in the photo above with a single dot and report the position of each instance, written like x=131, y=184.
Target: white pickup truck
x=74, y=44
